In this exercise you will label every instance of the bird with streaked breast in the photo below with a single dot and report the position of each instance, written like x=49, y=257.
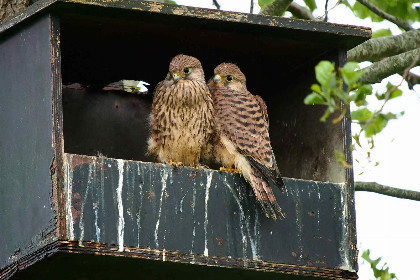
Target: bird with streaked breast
x=182, y=117
x=241, y=135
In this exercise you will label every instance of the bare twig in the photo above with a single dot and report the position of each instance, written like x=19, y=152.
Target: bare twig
x=400, y=23
x=300, y=11
x=215, y=3
x=326, y=11
x=388, y=95
x=329, y=10
x=251, y=8
x=386, y=190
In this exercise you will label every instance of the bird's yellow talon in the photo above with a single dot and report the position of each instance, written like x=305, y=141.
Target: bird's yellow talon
x=174, y=163
x=229, y=169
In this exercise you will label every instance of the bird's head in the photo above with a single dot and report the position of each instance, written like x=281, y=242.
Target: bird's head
x=228, y=75
x=184, y=67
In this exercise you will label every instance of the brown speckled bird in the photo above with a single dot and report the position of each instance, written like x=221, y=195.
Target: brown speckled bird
x=242, y=140
x=182, y=117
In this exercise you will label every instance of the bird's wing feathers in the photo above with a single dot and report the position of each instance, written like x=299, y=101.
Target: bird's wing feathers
x=263, y=107
x=244, y=120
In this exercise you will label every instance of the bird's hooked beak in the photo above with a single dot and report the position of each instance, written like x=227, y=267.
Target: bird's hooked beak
x=176, y=77
x=217, y=79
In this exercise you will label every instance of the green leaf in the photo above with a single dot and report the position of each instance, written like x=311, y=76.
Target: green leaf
x=362, y=12
x=351, y=66
x=390, y=116
x=346, y=3
x=381, y=33
x=376, y=126
x=341, y=158
x=263, y=3
x=325, y=116
x=394, y=94
x=356, y=138
x=361, y=115
x=316, y=88
x=324, y=71
x=314, y=98
x=311, y=4
x=350, y=74
x=359, y=95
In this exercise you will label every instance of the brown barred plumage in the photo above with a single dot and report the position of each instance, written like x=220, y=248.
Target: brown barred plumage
x=182, y=117
x=242, y=139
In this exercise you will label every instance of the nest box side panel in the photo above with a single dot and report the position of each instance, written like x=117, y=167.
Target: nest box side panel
x=201, y=216
x=26, y=218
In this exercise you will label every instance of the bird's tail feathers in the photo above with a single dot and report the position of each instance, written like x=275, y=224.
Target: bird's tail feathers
x=268, y=174
x=265, y=196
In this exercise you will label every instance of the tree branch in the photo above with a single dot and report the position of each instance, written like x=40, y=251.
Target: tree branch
x=385, y=190
x=400, y=23
x=251, y=8
x=376, y=49
x=277, y=8
x=412, y=80
x=300, y=11
x=388, y=66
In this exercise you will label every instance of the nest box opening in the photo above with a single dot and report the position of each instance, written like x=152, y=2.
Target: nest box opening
x=279, y=65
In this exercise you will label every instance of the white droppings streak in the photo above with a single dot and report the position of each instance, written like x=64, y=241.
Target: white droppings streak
x=193, y=213
x=120, y=205
x=319, y=202
x=96, y=206
x=69, y=184
x=254, y=246
x=206, y=221
x=162, y=194
x=98, y=230
x=299, y=223
x=344, y=252
x=81, y=221
x=138, y=214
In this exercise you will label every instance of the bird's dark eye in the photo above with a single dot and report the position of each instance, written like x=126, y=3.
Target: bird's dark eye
x=187, y=70
x=229, y=78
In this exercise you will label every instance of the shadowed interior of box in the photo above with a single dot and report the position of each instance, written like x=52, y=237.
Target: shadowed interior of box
x=279, y=65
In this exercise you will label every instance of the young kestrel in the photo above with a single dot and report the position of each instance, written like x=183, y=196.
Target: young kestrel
x=242, y=140
x=182, y=117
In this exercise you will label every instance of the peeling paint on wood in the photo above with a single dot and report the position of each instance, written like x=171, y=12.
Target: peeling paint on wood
x=206, y=212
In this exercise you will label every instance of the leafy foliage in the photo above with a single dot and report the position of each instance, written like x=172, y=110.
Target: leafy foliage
x=337, y=90
x=403, y=9
x=311, y=4
x=330, y=90
x=379, y=273
x=381, y=33
x=263, y=3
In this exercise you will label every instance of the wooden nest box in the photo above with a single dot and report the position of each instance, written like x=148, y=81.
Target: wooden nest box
x=77, y=189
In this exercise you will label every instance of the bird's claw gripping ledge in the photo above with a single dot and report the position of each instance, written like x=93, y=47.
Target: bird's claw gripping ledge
x=229, y=169
x=174, y=163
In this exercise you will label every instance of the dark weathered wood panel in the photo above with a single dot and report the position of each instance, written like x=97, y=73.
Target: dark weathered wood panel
x=26, y=218
x=204, y=212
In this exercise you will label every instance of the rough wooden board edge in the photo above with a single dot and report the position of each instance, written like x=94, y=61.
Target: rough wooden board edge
x=28, y=260
x=171, y=256
x=349, y=185
x=211, y=14
x=57, y=172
